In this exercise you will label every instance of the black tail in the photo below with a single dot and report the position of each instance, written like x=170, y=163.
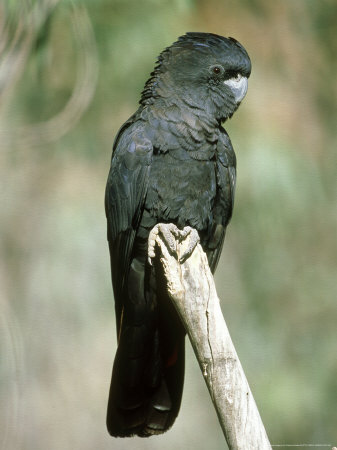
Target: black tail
x=148, y=371
x=145, y=392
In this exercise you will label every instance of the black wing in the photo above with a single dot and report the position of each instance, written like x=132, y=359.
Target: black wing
x=124, y=199
x=226, y=180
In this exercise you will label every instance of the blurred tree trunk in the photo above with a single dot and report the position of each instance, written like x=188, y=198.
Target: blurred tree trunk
x=20, y=29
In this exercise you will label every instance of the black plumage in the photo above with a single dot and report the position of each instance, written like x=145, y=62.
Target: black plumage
x=172, y=162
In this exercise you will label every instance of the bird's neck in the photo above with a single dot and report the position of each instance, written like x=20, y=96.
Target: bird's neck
x=206, y=106
x=181, y=128
x=183, y=114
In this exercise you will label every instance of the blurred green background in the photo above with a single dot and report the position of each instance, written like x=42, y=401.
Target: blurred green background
x=70, y=74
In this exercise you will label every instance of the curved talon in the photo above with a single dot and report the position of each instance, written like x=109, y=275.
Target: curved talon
x=151, y=244
x=194, y=240
x=186, y=231
x=169, y=233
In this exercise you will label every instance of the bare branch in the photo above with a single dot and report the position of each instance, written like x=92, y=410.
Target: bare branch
x=192, y=290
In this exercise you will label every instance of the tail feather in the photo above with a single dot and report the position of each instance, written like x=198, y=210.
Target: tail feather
x=148, y=371
x=141, y=409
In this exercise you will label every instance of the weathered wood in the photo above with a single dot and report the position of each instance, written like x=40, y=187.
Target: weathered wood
x=192, y=290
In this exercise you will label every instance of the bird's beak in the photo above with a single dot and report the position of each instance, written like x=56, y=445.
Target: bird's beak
x=239, y=88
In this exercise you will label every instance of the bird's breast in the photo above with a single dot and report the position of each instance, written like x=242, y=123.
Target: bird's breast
x=182, y=191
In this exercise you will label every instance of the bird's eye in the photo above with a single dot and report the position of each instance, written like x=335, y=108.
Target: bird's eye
x=216, y=70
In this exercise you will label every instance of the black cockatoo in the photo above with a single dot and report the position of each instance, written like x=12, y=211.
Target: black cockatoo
x=172, y=162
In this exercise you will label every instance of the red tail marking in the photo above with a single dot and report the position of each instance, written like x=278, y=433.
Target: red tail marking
x=172, y=359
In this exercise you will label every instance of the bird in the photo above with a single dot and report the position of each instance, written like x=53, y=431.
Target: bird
x=172, y=163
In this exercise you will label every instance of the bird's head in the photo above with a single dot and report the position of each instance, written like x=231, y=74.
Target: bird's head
x=204, y=70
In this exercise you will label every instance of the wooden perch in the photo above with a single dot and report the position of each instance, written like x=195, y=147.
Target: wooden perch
x=191, y=288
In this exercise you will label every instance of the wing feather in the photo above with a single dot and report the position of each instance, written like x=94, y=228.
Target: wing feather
x=124, y=199
x=226, y=180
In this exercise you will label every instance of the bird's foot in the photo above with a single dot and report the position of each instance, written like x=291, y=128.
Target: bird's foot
x=193, y=241
x=168, y=233
x=172, y=236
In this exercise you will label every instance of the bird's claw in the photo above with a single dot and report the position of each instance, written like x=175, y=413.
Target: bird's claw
x=170, y=234
x=192, y=242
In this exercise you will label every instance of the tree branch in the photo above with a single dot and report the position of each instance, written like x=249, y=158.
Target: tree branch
x=191, y=288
